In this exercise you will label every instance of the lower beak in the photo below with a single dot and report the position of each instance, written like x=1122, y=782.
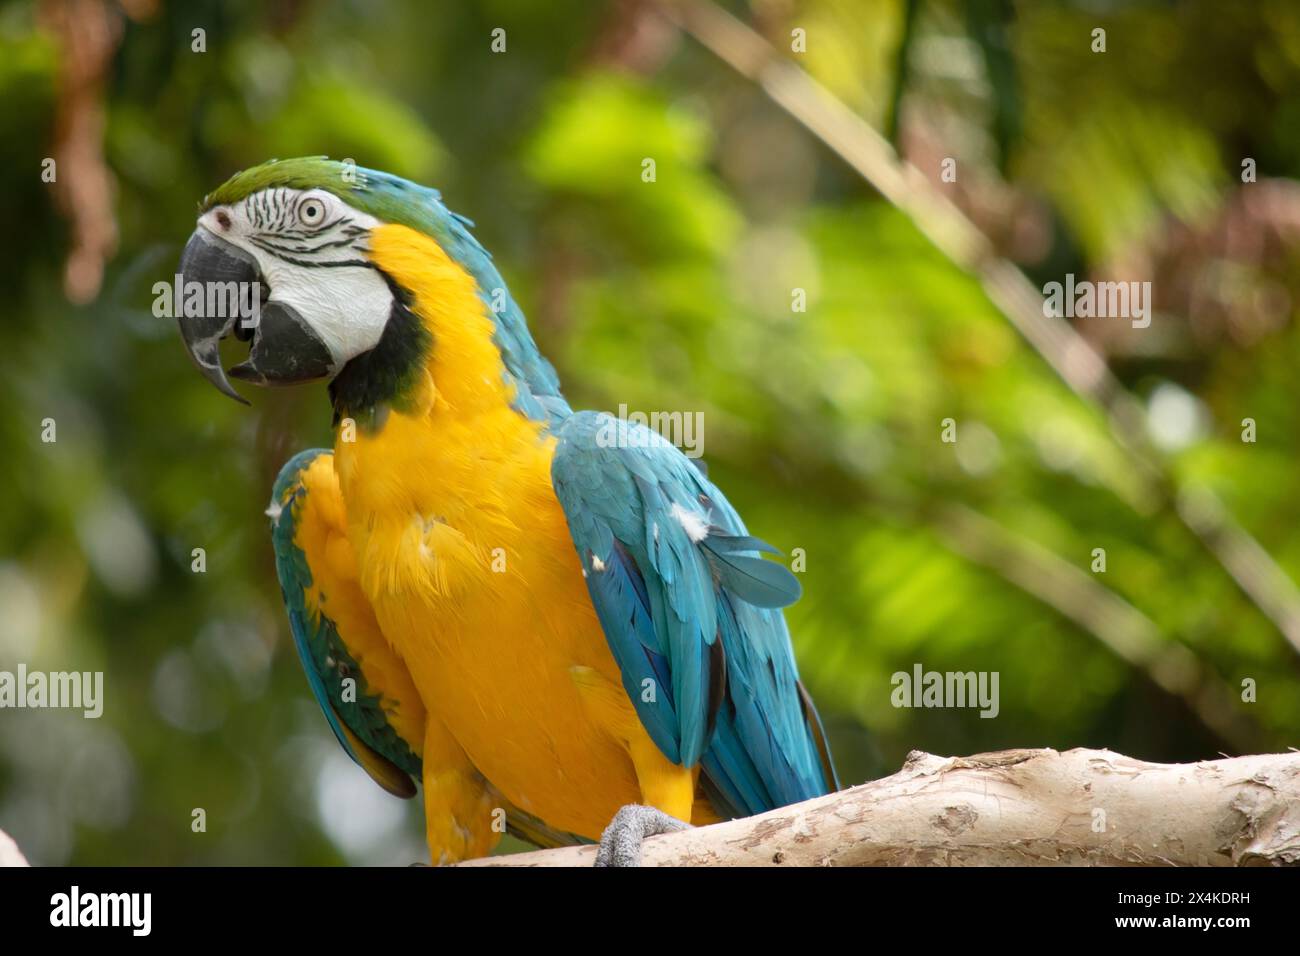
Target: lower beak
x=285, y=350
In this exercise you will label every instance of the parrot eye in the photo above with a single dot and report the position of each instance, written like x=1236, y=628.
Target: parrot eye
x=311, y=212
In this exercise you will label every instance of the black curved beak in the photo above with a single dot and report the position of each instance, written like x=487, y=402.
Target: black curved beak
x=210, y=263
x=224, y=292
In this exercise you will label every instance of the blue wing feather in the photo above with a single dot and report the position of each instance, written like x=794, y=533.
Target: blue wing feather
x=360, y=725
x=671, y=569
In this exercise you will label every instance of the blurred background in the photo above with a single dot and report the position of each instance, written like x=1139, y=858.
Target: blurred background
x=923, y=303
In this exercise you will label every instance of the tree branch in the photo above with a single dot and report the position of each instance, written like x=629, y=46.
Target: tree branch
x=10, y=855
x=1016, y=807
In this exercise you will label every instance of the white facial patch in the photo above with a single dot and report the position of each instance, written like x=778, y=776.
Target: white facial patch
x=310, y=247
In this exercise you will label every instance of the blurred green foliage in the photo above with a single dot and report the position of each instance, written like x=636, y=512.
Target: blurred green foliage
x=823, y=426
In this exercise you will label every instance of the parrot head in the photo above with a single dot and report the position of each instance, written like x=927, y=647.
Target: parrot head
x=294, y=236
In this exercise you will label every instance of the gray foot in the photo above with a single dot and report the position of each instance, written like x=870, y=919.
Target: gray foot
x=620, y=844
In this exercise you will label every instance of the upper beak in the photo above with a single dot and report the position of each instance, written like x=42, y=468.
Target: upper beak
x=208, y=259
x=285, y=349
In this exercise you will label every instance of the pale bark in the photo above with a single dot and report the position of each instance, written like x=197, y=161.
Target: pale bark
x=1017, y=807
x=10, y=855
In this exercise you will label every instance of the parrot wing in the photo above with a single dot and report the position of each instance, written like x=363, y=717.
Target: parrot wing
x=691, y=613
x=362, y=686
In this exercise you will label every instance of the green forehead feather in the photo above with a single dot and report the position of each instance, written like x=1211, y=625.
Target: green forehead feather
x=307, y=172
x=387, y=197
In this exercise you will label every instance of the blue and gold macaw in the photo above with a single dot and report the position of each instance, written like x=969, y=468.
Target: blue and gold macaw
x=551, y=619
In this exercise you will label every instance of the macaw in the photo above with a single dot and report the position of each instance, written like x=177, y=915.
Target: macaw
x=553, y=620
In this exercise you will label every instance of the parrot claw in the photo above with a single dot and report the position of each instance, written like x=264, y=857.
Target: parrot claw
x=620, y=844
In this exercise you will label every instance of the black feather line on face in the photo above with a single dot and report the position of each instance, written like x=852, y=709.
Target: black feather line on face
x=281, y=208
x=287, y=244
x=320, y=230
x=282, y=255
x=261, y=243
